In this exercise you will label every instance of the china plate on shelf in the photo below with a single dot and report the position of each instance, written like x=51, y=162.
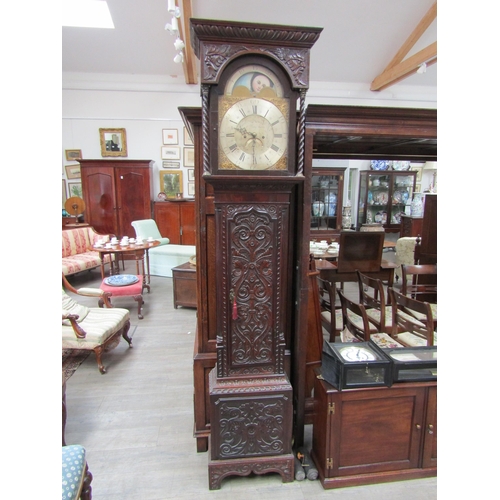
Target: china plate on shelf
x=379, y=164
x=400, y=165
x=381, y=217
x=397, y=197
x=121, y=280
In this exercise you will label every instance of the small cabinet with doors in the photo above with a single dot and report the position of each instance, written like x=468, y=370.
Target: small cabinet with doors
x=384, y=196
x=176, y=221
x=374, y=435
x=327, y=185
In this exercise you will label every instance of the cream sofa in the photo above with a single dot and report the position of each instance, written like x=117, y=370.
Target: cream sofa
x=78, y=252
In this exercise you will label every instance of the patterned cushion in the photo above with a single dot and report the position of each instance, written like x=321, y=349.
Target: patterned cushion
x=412, y=340
x=116, y=291
x=73, y=471
x=375, y=315
x=420, y=316
x=327, y=315
x=385, y=341
x=358, y=322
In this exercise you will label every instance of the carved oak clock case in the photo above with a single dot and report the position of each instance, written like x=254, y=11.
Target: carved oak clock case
x=253, y=77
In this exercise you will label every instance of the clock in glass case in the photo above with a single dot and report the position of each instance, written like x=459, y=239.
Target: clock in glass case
x=347, y=365
x=413, y=364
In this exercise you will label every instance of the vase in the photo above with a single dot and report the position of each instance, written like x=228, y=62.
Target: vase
x=417, y=205
x=318, y=208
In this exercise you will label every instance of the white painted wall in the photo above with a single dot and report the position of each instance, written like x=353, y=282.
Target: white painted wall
x=145, y=105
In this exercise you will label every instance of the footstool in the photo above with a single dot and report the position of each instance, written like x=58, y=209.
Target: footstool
x=121, y=288
x=76, y=477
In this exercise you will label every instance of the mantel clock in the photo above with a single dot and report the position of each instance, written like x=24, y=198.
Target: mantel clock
x=253, y=79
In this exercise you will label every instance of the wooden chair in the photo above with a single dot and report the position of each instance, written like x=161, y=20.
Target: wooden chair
x=372, y=296
x=357, y=327
x=419, y=282
x=331, y=322
x=406, y=328
x=92, y=328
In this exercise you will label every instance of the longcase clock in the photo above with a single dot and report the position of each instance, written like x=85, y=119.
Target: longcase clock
x=253, y=80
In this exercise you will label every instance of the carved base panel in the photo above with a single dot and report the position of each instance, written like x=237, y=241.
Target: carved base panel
x=250, y=417
x=219, y=469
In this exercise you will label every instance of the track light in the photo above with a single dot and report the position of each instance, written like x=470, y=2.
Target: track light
x=422, y=69
x=179, y=44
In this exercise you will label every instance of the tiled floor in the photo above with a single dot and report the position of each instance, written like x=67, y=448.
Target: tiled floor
x=136, y=421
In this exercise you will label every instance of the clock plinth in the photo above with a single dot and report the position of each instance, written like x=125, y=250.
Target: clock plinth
x=254, y=431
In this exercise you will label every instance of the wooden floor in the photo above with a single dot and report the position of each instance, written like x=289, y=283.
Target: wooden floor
x=136, y=421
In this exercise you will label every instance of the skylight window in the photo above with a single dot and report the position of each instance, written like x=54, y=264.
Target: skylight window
x=86, y=14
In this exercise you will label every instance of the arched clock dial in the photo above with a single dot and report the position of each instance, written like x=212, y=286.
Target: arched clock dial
x=253, y=135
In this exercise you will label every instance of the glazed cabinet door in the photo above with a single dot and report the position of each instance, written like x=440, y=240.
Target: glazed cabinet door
x=327, y=186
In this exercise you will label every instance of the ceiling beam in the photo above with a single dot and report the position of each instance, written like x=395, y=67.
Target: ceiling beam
x=398, y=68
x=189, y=63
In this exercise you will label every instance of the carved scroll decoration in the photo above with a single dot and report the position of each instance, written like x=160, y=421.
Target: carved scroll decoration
x=216, y=56
x=249, y=428
x=252, y=343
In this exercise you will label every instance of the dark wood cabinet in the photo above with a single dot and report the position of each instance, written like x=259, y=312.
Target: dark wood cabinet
x=116, y=192
x=176, y=221
x=365, y=436
x=204, y=356
x=410, y=226
x=184, y=283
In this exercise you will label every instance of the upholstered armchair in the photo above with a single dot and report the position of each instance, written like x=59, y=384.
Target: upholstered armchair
x=146, y=228
x=92, y=328
x=405, y=253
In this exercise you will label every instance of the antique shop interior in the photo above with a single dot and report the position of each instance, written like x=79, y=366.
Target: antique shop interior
x=249, y=252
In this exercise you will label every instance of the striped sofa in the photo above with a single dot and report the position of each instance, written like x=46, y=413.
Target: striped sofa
x=78, y=253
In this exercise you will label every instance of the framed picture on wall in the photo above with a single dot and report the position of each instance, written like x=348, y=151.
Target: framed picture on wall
x=170, y=153
x=73, y=171
x=187, y=138
x=171, y=182
x=73, y=154
x=75, y=189
x=170, y=136
x=113, y=142
x=190, y=188
x=189, y=157
x=64, y=194
x=190, y=174
x=171, y=164
x=418, y=177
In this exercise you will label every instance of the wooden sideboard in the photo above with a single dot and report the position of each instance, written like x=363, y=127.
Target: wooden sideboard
x=176, y=221
x=410, y=226
x=374, y=435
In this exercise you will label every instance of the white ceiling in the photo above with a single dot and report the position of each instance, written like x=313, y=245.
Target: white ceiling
x=359, y=39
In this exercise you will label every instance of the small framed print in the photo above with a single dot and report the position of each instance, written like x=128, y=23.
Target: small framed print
x=170, y=136
x=171, y=182
x=170, y=153
x=190, y=174
x=73, y=154
x=171, y=164
x=190, y=188
x=75, y=189
x=187, y=138
x=73, y=171
x=418, y=177
x=189, y=157
x=64, y=194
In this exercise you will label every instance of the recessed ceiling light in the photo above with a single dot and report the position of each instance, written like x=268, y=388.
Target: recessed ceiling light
x=86, y=14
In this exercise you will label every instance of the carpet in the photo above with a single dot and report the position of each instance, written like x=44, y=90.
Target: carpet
x=71, y=360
